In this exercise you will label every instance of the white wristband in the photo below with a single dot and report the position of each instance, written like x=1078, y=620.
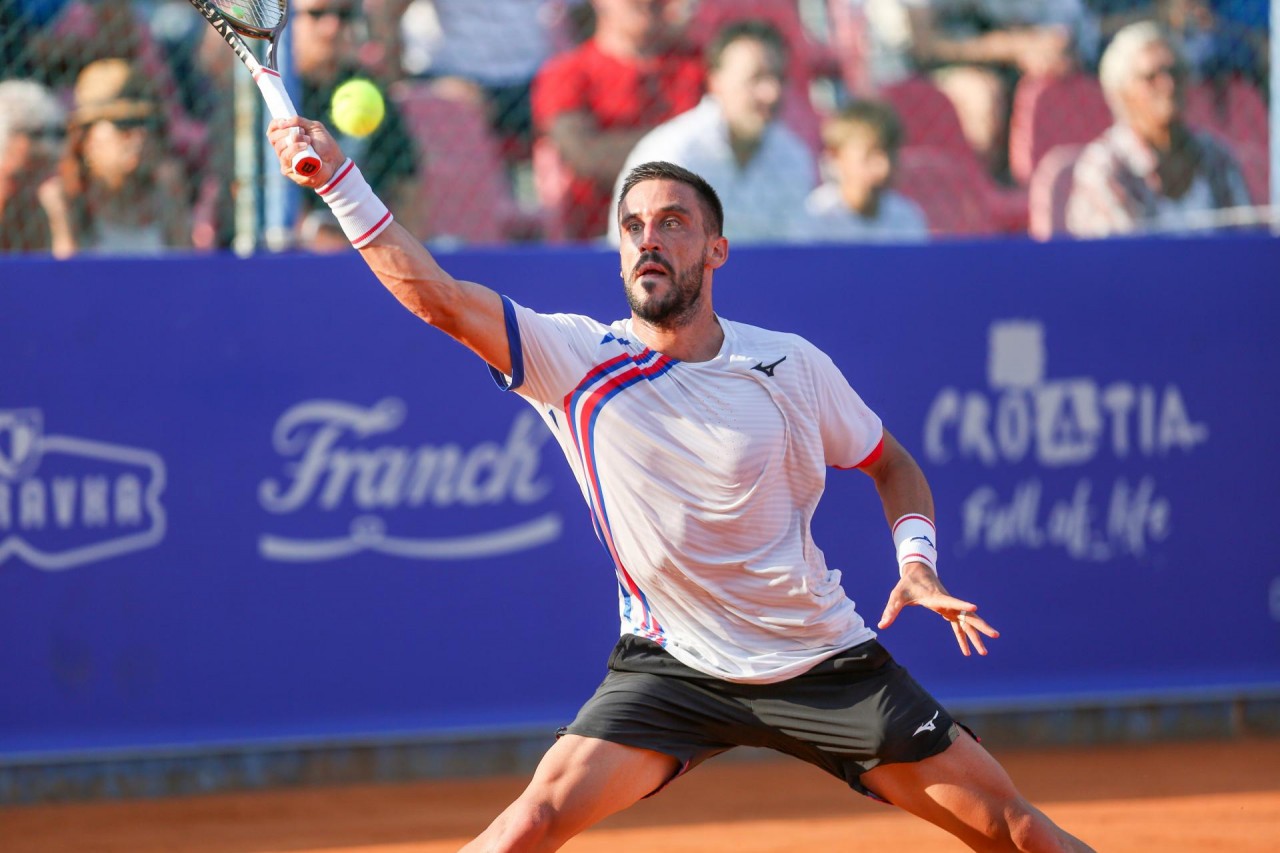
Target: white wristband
x=916, y=541
x=361, y=214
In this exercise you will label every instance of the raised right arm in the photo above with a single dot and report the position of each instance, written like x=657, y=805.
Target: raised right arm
x=470, y=313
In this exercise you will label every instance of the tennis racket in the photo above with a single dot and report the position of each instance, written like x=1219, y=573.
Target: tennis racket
x=236, y=20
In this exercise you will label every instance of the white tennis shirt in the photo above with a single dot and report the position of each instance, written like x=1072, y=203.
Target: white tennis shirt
x=702, y=479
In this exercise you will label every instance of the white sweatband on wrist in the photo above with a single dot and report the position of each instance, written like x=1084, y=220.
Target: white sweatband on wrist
x=361, y=214
x=916, y=541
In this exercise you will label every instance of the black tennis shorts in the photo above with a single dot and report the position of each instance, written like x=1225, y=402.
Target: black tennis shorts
x=848, y=714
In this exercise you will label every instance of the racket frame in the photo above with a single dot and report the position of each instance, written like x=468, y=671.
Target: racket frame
x=279, y=104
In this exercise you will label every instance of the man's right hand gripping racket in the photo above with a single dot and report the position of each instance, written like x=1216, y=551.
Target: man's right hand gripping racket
x=236, y=20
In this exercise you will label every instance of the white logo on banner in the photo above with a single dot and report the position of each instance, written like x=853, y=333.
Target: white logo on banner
x=1023, y=416
x=67, y=501
x=331, y=465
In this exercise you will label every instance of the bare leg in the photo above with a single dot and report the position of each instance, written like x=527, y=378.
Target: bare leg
x=966, y=792
x=579, y=782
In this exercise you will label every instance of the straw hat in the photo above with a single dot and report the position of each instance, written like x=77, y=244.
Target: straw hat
x=113, y=89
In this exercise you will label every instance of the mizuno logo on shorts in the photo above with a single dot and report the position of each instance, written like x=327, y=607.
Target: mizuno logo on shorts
x=929, y=726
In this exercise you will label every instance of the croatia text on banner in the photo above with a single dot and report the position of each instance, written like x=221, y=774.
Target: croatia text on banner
x=246, y=501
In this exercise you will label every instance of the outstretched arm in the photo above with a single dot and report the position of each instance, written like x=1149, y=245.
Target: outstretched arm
x=905, y=492
x=468, y=312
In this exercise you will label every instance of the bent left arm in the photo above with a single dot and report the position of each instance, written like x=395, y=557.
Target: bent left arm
x=903, y=491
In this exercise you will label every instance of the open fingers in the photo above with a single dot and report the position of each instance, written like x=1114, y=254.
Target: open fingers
x=969, y=629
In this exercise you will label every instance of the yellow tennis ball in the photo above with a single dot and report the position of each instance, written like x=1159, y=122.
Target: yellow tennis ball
x=357, y=107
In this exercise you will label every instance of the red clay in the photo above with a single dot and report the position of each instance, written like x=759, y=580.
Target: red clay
x=1206, y=796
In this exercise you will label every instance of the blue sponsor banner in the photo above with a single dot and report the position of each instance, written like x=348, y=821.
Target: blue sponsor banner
x=257, y=500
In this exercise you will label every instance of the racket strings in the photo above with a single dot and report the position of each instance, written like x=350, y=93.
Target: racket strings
x=264, y=15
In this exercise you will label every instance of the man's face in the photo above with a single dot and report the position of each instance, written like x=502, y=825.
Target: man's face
x=1153, y=96
x=640, y=21
x=322, y=32
x=749, y=86
x=863, y=169
x=665, y=251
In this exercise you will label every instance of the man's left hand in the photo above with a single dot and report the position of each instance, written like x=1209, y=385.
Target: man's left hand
x=920, y=586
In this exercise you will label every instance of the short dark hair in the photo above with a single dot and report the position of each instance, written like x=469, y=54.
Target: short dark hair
x=877, y=116
x=660, y=170
x=756, y=29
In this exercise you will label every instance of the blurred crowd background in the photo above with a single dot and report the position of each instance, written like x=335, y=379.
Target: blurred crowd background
x=511, y=120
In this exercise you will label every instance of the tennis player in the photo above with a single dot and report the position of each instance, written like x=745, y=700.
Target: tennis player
x=701, y=445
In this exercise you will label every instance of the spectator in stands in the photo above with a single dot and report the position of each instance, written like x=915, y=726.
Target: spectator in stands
x=977, y=49
x=32, y=129
x=1149, y=171
x=88, y=30
x=862, y=143
x=735, y=140
x=325, y=46
x=593, y=103
x=117, y=191
x=484, y=53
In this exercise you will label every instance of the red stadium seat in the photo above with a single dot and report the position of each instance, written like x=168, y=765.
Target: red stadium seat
x=1233, y=108
x=929, y=119
x=1048, y=112
x=465, y=192
x=1049, y=189
x=953, y=192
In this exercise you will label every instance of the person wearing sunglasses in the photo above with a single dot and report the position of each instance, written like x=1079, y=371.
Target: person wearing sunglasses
x=327, y=37
x=32, y=129
x=118, y=190
x=1150, y=172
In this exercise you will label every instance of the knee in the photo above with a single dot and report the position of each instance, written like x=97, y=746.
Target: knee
x=1024, y=828
x=524, y=826
x=1021, y=825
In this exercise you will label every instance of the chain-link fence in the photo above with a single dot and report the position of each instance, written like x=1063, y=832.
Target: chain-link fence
x=131, y=128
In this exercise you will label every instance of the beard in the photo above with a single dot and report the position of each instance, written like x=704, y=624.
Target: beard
x=678, y=305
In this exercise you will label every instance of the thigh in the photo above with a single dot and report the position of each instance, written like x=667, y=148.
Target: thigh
x=965, y=791
x=582, y=780
x=579, y=782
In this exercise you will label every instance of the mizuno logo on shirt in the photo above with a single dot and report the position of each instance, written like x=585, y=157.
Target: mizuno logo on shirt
x=929, y=726
x=767, y=369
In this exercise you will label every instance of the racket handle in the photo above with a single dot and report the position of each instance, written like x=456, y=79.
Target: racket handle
x=306, y=162
x=280, y=105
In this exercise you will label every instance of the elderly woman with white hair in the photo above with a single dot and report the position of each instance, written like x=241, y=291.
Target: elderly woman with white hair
x=1149, y=172
x=32, y=128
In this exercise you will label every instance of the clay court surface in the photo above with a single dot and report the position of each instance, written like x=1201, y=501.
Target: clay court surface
x=1132, y=799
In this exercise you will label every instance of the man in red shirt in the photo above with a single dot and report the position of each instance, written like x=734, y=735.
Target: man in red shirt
x=593, y=103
